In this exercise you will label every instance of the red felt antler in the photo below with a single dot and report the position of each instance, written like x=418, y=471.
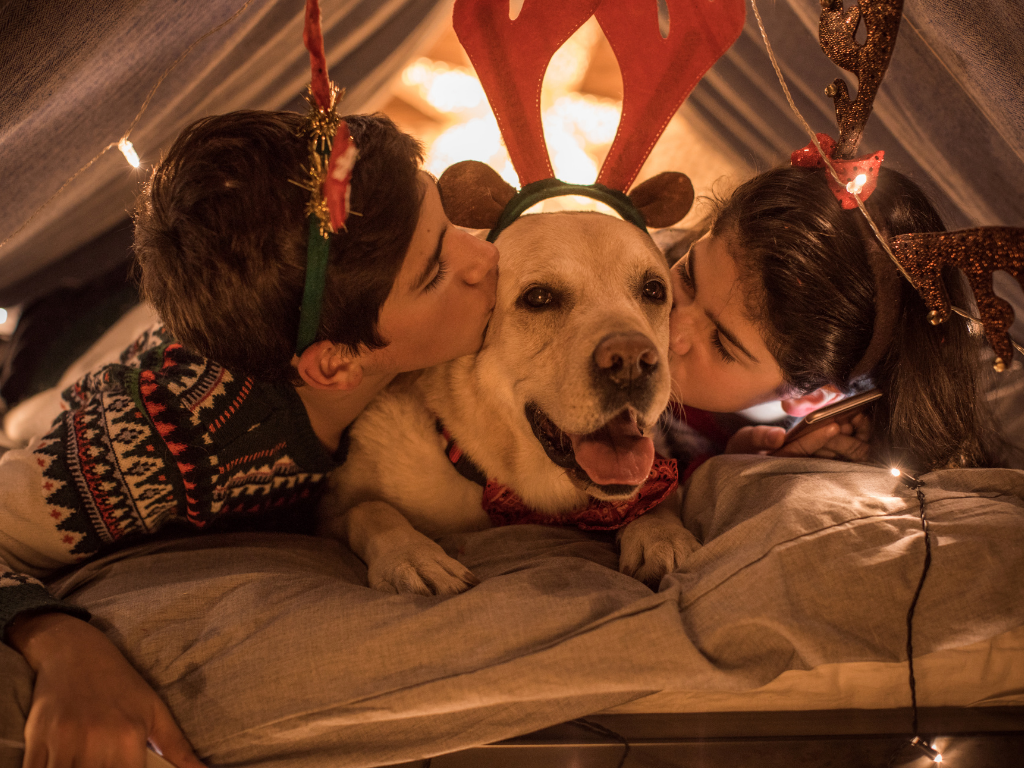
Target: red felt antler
x=510, y=58
x=313, y=39
x=658, y=74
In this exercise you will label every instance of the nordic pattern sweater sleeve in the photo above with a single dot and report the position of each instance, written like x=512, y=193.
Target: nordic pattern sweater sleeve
x=167, y=435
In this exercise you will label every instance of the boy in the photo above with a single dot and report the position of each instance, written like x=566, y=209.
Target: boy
x=172, y=436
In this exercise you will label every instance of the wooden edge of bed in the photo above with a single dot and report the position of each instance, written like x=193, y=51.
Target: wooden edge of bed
x=977, y=737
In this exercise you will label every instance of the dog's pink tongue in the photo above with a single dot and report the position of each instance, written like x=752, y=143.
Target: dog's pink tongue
x=617, y=454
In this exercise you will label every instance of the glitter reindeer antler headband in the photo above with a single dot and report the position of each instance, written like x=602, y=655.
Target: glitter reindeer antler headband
x=332, y=157
x=837, y=30
x=919, y=257
x=658, y=73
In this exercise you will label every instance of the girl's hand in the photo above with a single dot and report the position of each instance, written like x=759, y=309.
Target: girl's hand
x=90, y=708
x=845, y=440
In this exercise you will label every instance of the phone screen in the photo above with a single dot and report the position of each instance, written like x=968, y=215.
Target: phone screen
x=846, y=408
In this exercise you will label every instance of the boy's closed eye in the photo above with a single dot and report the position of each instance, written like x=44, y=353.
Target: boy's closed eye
x=442, y=270
x=434, y=271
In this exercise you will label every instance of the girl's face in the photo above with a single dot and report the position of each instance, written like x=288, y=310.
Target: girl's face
x=718, y=359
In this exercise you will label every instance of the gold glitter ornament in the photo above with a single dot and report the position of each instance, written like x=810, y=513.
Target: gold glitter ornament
x=837, y=30
x=319, y=127
x=978, y=253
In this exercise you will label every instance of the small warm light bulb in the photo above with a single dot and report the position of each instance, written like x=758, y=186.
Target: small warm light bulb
x=128, y=150
x=927, y=748
x=895, y=472
x=855, y=186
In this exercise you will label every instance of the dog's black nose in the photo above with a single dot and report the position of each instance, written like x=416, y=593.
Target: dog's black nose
x=626, y=358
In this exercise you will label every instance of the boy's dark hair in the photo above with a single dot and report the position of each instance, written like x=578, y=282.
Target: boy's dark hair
x=221, y=234
x=814, y=299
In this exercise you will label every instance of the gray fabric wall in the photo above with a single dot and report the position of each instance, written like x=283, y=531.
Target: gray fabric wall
x=948, y=113
x=74, y=73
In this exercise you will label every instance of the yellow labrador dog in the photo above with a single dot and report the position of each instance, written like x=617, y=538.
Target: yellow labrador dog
x=559, y=405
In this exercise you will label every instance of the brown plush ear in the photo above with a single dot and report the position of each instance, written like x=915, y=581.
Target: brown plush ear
x=663, y=199
x=473, y=194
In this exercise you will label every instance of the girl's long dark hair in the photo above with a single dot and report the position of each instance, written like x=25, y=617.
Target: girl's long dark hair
x=814, y=299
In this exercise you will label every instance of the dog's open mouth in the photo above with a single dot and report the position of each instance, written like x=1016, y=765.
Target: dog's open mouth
x=617, y=457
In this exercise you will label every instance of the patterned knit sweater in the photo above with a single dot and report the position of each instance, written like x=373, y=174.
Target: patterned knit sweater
x=165, y=436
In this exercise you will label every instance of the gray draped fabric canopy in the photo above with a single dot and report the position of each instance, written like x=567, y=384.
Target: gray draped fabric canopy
x=74, y=74
x=948, y=112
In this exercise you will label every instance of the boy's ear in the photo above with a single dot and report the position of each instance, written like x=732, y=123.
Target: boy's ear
x=812, y=401
x=473, y=194
x=325, y=365
x=663, y=199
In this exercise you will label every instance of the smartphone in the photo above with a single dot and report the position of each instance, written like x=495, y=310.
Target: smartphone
x=825, y=416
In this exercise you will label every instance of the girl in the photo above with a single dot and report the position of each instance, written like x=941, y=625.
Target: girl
x=789, y=297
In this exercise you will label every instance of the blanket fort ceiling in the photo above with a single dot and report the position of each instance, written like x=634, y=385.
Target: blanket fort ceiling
x=124, y=144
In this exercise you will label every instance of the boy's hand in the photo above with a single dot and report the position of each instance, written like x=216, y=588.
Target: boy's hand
x=845, y=440
x=90, y=708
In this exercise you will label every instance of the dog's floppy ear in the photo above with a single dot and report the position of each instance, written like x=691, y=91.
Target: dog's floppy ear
x=473, y=194
x=663, y=199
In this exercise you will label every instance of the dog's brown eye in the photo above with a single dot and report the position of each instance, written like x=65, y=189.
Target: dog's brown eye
x=538, y=297
x=654, y=290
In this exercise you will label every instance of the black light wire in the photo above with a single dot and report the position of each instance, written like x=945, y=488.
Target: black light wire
x=913, y=604
x=916, y=485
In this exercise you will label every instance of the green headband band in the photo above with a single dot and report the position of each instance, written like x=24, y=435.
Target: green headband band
x=534, y=193
x=318, y=253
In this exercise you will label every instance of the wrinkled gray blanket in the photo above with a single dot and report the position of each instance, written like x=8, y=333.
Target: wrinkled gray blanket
x=272, y=652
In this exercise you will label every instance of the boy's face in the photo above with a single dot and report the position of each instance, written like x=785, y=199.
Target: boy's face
x=442, y=299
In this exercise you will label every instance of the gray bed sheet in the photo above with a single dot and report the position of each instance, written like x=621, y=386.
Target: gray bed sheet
x=271, y=650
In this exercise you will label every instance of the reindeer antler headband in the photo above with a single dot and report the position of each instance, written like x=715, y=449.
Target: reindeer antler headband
x=332, y=157
x=919, y=257
x=510, y=57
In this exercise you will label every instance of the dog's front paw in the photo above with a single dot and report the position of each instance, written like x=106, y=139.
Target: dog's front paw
x=422, y=570
x=654, y=545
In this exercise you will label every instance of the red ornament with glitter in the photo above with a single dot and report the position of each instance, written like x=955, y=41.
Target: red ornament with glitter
x=858, y=175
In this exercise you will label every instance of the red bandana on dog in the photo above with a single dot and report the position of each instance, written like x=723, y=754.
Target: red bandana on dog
x=504, y=507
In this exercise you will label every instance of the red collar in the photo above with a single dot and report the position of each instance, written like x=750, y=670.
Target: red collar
x=504, y=507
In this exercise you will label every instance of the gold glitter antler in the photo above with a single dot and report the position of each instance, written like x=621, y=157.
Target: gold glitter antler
x=837, y=34
x=979, y=253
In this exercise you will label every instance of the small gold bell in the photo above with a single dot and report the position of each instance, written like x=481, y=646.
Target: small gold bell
x=933, y=317
x=999, y=365
x=830, y=89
